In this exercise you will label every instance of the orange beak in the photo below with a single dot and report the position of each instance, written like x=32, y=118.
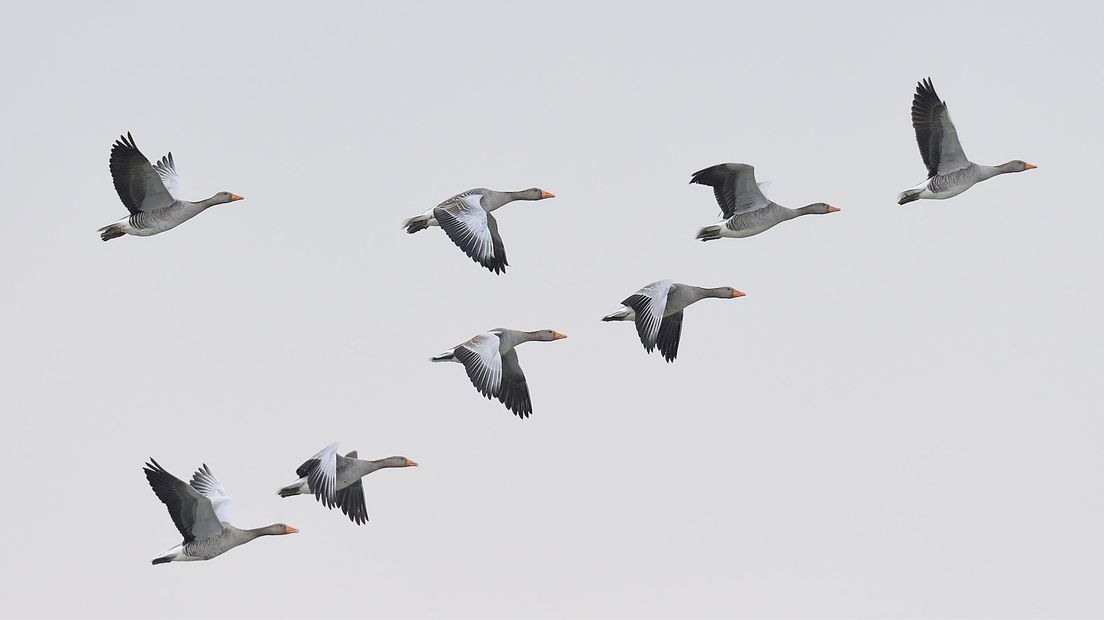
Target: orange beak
x=558, y=336
x=290, y=530
x=234, y=197
x=832, y=209
x=545, y=194
x=410, y=463
x=1028, y=166
x=736, y=293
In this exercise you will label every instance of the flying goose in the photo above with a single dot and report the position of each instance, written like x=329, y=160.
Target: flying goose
x=745, y=209
x=949, y=172
x=657, y=310
x=493, y=367
x=467, y=220
x=151, y=193
x=335, y=480
x=201, y=512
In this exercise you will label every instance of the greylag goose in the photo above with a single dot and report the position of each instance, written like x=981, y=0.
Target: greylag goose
x=745, y=209
x=492, y=365
x=201, y=511
x=335, y=480
x=949, y=172
x=151, y=193
x=657, y=311
x=467, y=220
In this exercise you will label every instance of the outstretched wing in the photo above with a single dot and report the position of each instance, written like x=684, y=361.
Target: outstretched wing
x=166, y=169
x=483, y=362
x=209, y=486
x=320, y=471
x=734, y=187
x=190, y=510
x=935, y=133
x=649, y=304
x=139, y=186
x=473, y=230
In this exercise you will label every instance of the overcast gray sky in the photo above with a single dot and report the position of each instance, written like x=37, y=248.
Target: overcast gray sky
x=901, y=419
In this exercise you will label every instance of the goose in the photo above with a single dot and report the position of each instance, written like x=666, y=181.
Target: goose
x=335, y=480
x=949, y=172
x=201, y=511
x=151, y=193
x=492, y=365
x=657, y=311
x=467, y=220
x=745, y=209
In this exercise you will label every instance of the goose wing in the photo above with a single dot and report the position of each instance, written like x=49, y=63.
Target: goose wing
x=514, y=392
x=473, y=230
x=935, y=133
x=734, y=187
x=483, y=363
x=320, y=471
x=166, y=169
x=209, y=486
x=139, y=186
x=649, y=304
x=191, y=511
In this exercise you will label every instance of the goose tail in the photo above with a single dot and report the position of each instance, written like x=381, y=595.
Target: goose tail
x=710, y=233
x=107, y=233
x=908, y=196
x=416, y=223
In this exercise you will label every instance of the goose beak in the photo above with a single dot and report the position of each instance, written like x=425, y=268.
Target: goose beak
x=290, y=530
x=1028, y=166
x=410, y=463
x=832, y=209
x=558, y=336
x=545, y=194
x=234, y=197
x=736, y=293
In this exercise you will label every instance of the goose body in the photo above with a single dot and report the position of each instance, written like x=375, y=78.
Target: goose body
x=467, y=220
x=150, y=193
x=492, y=365
x=200, y=510
x=657, y=311
x=949, y=171
x=335, y=480
x=744, y=207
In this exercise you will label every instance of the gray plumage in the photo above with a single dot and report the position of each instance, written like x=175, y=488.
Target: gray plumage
x=150, y=193
x=746, y=211
x=493, y=368
x=336, y=480
x=200, y=511
x=950, y=172
x=466, y=219
x=657, y=309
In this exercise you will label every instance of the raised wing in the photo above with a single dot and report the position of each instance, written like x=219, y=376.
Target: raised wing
x=483, y=363
x=734, y=187
x=473, y=230
x=208, y=486
x=514, y=392
x=139, y=186
x=649, y=304
x=320, y=471
x=166, y=169
x=935, y=133
x=190, y=510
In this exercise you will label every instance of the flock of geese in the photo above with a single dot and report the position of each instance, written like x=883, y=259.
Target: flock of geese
x=200, y=508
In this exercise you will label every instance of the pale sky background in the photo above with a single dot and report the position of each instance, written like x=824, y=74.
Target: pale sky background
x=901, y=419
